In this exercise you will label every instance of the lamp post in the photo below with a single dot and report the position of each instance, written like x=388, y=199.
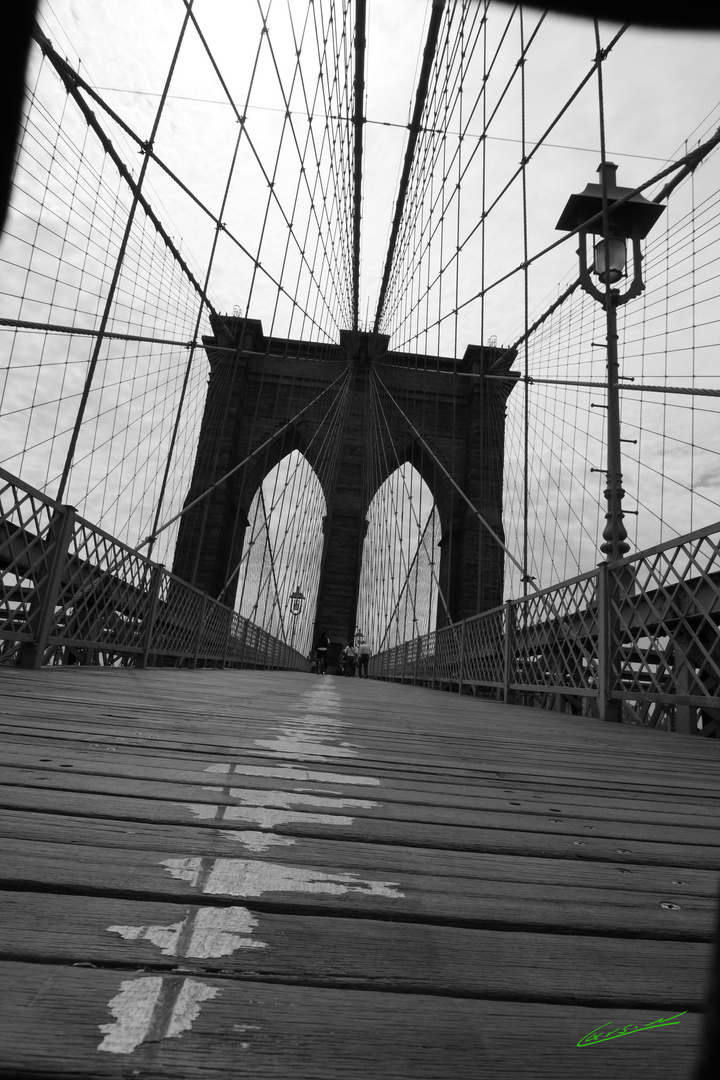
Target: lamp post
x=296, y=605
x=594, y=211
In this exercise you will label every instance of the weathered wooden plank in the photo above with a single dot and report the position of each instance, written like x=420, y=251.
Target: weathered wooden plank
x=396, y=789
x=366, y=954
x=244, y=692
x=383, y=859
x=267, y=884
x=184, y=1026
x=365, y=830
x=418, y=810
x=640, y=777
x=476, y=724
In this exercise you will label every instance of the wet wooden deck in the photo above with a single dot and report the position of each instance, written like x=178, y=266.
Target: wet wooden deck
x=241, y=874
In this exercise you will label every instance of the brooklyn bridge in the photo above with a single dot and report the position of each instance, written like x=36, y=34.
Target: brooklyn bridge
x=351, y=326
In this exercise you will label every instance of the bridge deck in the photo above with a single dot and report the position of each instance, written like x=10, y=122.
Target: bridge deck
x=249, y=874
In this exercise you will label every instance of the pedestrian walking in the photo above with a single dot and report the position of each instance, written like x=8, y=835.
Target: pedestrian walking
x=321, y=652
x=364, y=654
x=349, y=660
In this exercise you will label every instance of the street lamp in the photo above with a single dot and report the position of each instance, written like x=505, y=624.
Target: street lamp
x=594, y=211
x=296, y=605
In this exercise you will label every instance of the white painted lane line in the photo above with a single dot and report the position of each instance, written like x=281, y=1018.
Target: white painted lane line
x=265, y=817
x=133, y=1009
x=323, y=696
x=220, y=931
x=165, y=937
x=188, y=1006
x=270, y=808
x=253, y=877
x=258, y=841
x=297, y=746
x=137, y=1009
x=207, y=932
x=256, y=797
x=151, y=1009
x=312, y=735
x=286, y=772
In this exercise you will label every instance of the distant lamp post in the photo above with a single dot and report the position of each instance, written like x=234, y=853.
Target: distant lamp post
x=297, y=601
x=615, y=225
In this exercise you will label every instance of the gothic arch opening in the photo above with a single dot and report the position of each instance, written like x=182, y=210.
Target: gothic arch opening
x=398, y=594
x=282, y=551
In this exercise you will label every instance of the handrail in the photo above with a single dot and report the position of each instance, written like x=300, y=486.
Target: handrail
x=636, y=641
x=72, y=593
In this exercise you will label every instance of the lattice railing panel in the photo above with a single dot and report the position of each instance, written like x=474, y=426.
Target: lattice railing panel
x=237, y=641
x=71, y=593
x=26, y=526
x=555, y=637
x=176, y=624
x=253, y=641
x=426, y=660
x=104, y=596
x=666, y=624
x=216, y=625
x=447, y=650
x=484, y=650
x=644, y=633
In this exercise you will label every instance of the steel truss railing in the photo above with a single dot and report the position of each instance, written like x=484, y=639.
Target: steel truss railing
x=636, y=641
x=72, y=594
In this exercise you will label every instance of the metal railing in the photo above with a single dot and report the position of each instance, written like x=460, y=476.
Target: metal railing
x=636, y=641
x=72, y=594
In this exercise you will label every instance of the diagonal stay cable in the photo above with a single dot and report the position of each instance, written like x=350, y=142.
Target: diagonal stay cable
x=73, y=83
x=686, y=391
x=381, y=412
x=330, y=438
x=251, y=144
x=302, y=173
x=422, y=546
x=263, y=446
x=110, y=297
x=399, y=537
x=420, y=96
x=695, y=158
x=434, y=127
x=455, y=485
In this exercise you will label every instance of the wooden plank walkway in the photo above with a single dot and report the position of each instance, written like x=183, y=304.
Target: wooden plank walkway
x=250, y=874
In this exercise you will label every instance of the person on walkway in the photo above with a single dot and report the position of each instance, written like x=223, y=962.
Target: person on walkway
x=321, y=652
x=349, y=660
x=364, y=654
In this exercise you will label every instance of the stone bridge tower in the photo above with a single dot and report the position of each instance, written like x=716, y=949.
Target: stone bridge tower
x=257, y=382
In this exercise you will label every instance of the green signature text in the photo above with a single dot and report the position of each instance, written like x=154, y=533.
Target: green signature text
x=598, y=1035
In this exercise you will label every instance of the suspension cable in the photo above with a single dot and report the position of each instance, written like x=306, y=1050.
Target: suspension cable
x=263, y=446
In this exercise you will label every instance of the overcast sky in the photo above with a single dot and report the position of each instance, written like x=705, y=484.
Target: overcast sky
x=660, y=87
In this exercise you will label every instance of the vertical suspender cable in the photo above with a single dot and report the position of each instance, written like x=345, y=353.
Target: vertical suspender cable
x=193, y=346
x=427, y=62
x=118, y=266
x=526, y=440
x=359, y=120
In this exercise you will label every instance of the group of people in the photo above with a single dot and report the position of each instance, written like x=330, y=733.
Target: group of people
x=354, y=658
